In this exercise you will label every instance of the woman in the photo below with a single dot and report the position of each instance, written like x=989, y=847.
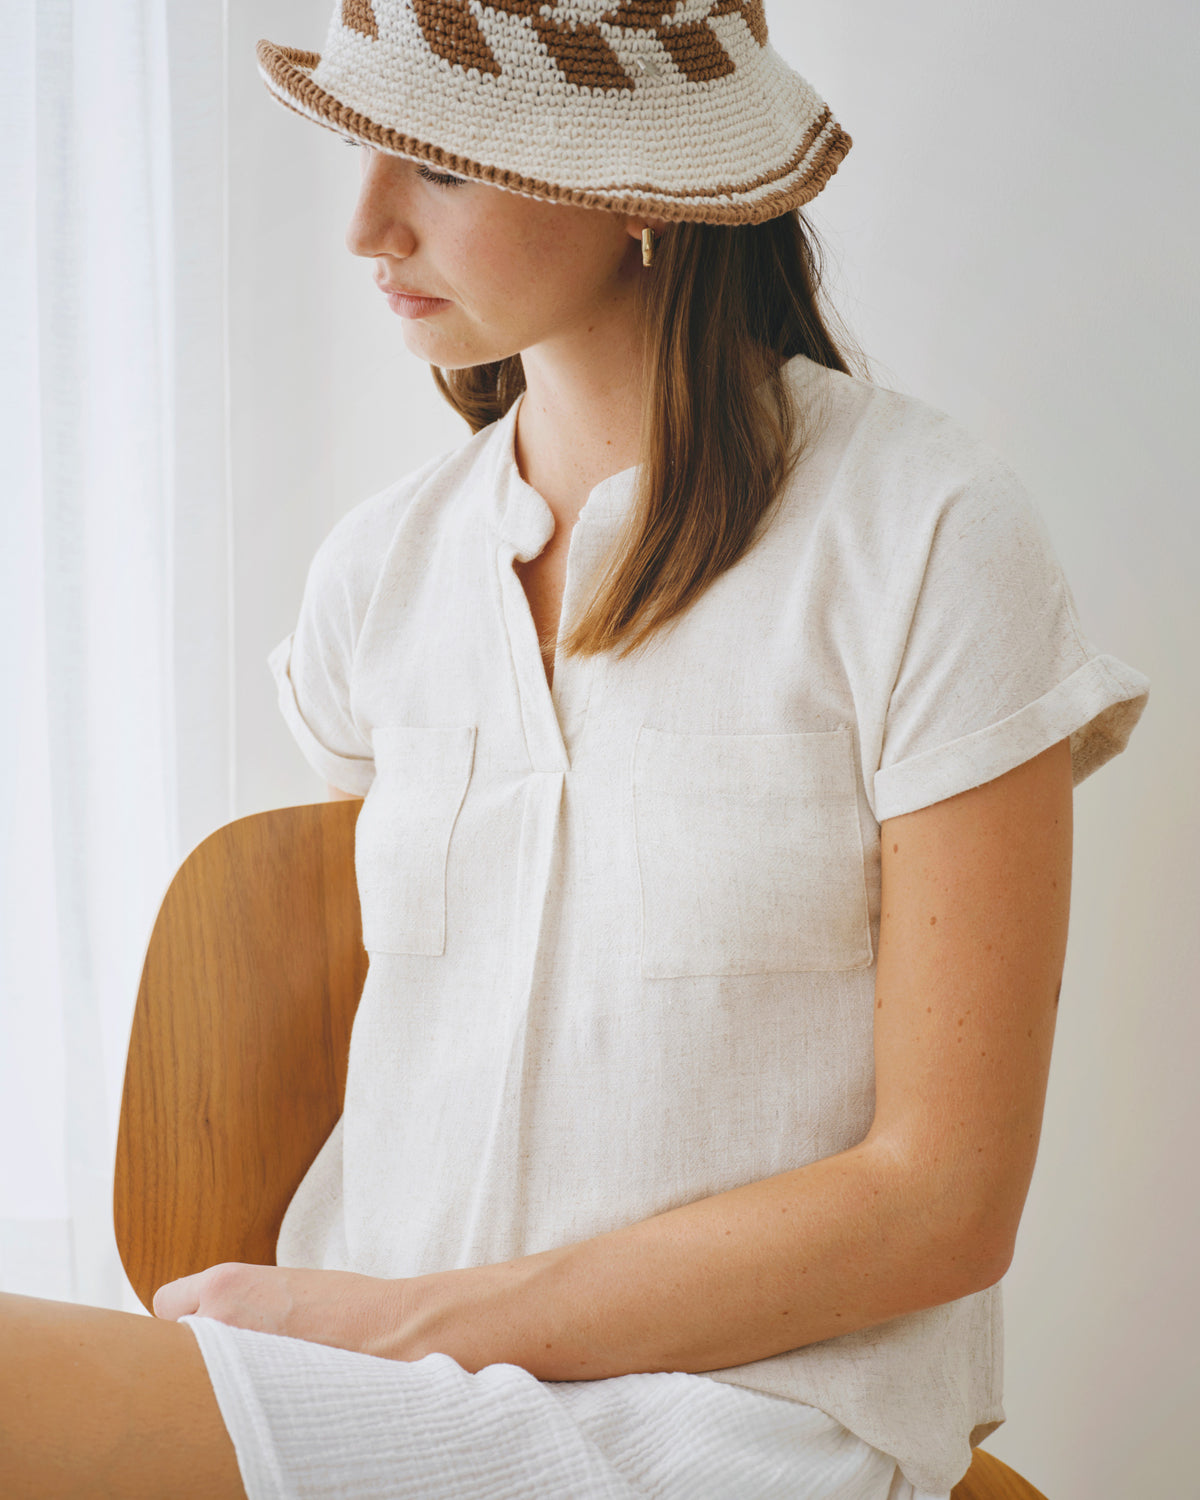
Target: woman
x=716, y=713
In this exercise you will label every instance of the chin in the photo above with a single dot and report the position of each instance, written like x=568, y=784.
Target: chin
x=451, y=356
x=457, y=359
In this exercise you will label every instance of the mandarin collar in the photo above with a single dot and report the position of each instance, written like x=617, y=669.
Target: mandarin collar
x=521, y=515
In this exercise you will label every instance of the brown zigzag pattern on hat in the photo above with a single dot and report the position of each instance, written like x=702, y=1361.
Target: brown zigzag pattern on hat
x=642, y=15
x=582, y=54
x=578, y=49
x=657, y=16
x=696, y=52
x=453, y=33
x=693, y=46
x=751, y=11
x=358, y=16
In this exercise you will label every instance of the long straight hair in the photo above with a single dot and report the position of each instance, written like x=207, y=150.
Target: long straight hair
x=724, y=308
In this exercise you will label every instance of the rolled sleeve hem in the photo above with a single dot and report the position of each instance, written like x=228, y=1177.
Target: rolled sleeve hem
x=348, y=773
x=1096, y=707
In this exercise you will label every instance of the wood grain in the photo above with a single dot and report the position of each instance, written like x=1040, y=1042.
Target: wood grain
x=989, y=1479
x=237, y=1056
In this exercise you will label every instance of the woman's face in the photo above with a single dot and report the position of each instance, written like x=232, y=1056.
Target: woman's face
x=514, y=272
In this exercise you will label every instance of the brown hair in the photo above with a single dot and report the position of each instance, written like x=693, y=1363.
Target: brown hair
x=725, y=306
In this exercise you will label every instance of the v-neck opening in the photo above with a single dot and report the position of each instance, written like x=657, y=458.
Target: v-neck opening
x=544, y=739
x=553, y=710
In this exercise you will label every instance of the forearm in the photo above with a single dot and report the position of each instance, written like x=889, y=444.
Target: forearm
x=842, y=1244
x=925, y=1210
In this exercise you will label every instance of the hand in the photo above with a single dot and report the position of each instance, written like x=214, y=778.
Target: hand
x=340, y=1308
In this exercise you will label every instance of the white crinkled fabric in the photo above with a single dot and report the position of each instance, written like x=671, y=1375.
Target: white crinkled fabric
x=313, y=1423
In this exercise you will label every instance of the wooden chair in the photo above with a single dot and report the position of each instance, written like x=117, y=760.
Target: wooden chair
x=237, y=1057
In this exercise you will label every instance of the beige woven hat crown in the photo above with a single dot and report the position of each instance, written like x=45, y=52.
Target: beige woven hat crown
x=675, y=109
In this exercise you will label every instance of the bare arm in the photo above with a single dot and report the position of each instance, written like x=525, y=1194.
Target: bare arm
x=973, y=936
x=922, y=1211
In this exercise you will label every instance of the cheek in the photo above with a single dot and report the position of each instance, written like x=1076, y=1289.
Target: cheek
x=522, y=289
x=552, y=254
x=517, y=276
x=566, y=274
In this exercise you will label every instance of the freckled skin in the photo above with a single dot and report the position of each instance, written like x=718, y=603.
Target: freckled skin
x=575, y=273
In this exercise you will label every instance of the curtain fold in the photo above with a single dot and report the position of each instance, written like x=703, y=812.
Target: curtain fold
x=114, y=574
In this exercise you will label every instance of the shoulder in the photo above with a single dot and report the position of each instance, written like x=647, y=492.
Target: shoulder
x=885, y=434
x=897, y=474
x=354, y=554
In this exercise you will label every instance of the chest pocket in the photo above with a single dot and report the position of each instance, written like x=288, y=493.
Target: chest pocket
x=749, y=853
x=402, y=837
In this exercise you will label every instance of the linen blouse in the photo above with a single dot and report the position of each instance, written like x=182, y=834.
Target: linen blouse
x=622, y=933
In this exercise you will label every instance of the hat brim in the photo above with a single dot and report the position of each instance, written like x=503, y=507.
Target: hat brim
x=287, y=72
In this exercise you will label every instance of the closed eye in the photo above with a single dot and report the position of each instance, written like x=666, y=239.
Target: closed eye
x=442, y=179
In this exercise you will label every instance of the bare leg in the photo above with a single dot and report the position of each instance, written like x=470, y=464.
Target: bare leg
x=98, y=1403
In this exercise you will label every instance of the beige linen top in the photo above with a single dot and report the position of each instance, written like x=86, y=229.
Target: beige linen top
x=622, y=934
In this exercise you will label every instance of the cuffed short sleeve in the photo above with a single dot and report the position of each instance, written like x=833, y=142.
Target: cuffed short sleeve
x=995, y=668
x=349, y=772
x=314, y=666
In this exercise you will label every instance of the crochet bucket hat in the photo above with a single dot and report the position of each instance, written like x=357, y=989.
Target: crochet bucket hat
x=673, y=109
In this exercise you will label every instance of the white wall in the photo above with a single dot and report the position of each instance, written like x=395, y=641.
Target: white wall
x=1013, y=239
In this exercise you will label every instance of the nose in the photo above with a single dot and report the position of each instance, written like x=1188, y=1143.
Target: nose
x=380, y=224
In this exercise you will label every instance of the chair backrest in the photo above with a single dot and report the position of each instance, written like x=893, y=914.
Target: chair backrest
x=237, y=1057
x=989, y=1479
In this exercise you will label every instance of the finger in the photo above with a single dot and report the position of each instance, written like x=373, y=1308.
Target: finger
x=174, y=1299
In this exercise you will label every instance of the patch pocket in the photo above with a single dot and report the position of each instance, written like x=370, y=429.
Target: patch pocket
x=749, y=853
x=402, y=838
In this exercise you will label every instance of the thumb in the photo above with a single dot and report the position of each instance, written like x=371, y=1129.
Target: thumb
x=174, y=1299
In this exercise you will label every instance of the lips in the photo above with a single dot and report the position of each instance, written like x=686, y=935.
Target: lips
x=406, y=306
x=389, y=289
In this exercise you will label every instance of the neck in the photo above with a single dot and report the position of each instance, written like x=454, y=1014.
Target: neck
x=580, y=419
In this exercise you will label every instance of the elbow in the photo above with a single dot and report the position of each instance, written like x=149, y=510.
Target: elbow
x=962, y=1226
x=978, y=1254
x=965, y=1240
x=988, y=1261
x=958, y=1267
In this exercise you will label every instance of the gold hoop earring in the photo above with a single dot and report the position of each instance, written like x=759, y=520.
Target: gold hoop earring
x=647, y=247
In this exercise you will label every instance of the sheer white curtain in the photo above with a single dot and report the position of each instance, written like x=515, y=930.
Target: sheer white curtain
x=115, y=755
